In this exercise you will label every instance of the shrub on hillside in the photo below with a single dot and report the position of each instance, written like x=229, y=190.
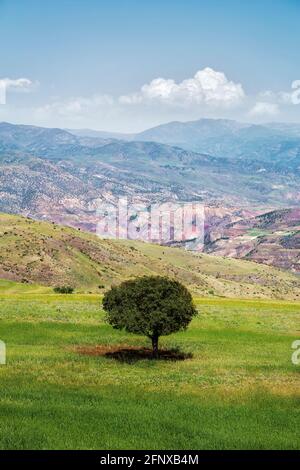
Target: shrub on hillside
x=63, y=290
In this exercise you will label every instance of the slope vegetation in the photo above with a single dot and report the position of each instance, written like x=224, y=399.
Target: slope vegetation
x=34, y=252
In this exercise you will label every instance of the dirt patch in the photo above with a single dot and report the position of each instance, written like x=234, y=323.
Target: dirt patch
x=132, y=354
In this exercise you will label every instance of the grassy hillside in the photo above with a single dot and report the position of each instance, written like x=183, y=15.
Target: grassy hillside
x=237, y=390
x=14, y=288
x=42, y=253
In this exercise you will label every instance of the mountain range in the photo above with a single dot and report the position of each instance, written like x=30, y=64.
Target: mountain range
x=239, y=171
x=274, y=142
x=228, y=162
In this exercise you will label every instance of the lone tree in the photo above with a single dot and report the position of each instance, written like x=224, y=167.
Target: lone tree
x=151, y=305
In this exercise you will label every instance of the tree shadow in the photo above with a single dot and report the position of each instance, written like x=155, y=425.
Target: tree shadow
x=131, y=354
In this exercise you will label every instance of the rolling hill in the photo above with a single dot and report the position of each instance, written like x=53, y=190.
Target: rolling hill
x=34, y=252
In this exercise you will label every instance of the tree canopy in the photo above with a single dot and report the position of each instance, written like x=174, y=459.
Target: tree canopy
x=151, y=305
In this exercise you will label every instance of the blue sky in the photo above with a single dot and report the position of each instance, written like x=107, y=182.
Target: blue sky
x=86, y=61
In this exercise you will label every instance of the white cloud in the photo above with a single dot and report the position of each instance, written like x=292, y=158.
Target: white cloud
x=284, y=97
x=208, y=94
x=159, y=100
x=264, y=108
x=293, y=96
x=207, y=87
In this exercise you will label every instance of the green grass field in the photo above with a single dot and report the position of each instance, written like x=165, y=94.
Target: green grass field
x=238, y=391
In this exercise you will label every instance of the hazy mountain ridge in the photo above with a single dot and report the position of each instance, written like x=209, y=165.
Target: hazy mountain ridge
x=221, y=138
x=54, y=175
x=231, y=139
x=164, y=169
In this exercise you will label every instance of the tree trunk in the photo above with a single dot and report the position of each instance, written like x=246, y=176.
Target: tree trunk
x=155, y=346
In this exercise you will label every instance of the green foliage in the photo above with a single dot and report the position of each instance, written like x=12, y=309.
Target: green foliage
x=151, y=305
x=63, y=290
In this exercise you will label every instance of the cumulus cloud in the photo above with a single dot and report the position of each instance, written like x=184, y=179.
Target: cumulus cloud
x=159, y=99
x=207, y=87
x=264, y=108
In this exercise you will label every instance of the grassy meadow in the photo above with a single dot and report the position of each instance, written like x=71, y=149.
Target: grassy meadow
x=238, y=391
